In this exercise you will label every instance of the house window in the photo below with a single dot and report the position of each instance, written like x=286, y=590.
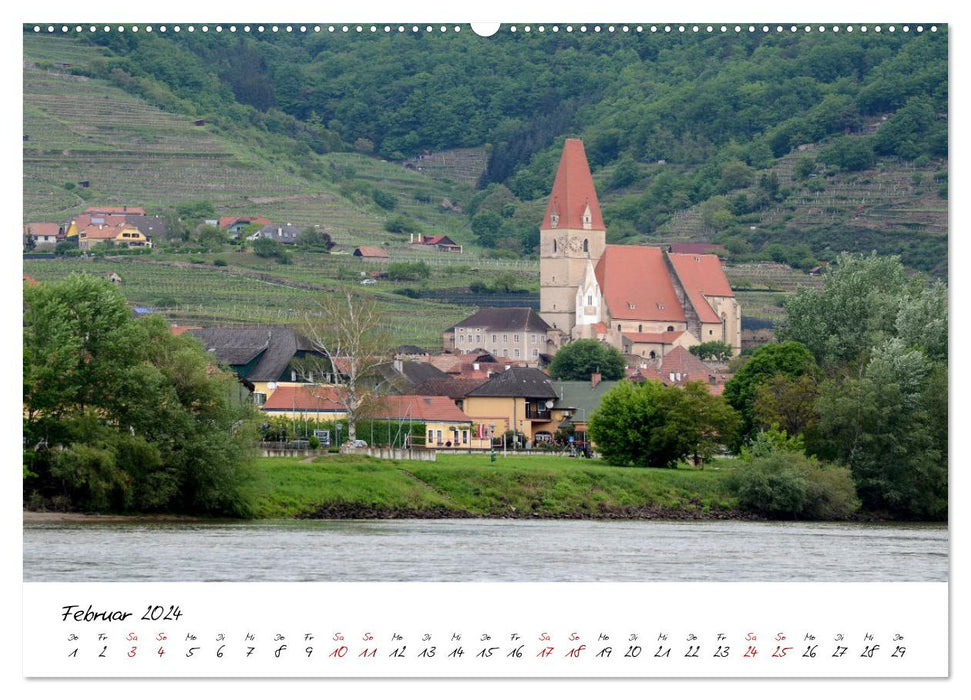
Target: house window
x=535, y=353
x=431, y=436
x=505, y=337
x=505, y=352
x=438, y=434
x=515, y=338
x=461, y=339
x=465, y=437
x=478, y=338
x=515, y=352
x=532, y=339
x=493, y=337
x=259, y=398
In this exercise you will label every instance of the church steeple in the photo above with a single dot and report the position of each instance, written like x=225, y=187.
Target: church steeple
x=573, y=202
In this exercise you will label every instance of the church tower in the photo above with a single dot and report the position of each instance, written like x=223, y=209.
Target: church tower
x=572, y=233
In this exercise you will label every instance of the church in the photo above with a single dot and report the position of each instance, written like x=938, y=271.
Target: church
x=642, y=300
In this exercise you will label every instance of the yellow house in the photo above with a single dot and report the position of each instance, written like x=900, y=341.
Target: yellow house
x=522, y=399
x=446, y=426
x=120, y=234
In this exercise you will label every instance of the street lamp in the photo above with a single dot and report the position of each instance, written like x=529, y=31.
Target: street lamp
x=339, y=428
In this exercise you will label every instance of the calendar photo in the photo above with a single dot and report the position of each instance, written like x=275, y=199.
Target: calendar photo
x=345, y=322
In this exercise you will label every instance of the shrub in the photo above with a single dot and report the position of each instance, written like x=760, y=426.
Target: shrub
x=219, y=262
x=787, y=484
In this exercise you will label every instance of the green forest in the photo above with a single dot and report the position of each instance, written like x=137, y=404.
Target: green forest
x=670, y=121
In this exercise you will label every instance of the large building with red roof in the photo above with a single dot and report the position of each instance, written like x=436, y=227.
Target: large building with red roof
x=643, y=300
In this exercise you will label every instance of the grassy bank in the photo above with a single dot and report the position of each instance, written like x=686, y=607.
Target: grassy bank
x=472, y=486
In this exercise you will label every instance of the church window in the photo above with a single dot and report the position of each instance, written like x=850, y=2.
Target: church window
x=589, y=299
x=618, y=326
x=554, y=244
x=711, y=332
x=652, y=355
x=640, y=329
x=586, y=246
x=670, y=328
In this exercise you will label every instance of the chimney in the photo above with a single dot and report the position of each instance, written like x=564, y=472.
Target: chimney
x=595, y=378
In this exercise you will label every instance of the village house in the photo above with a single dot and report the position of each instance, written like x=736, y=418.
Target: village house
x=642, y=300
x=518, y=334
x=521, y=399
x=264, y=358
x=151, y=227
x=124, y=235
x=234, y=225
x=287, y=234
x=370, y=252
x=441, y=242
x=445, y=426
x=45, y=236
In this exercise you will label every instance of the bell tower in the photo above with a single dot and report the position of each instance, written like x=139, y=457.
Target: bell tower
x=572, y=233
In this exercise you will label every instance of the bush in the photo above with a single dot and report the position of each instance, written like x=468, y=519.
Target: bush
x=219, y=262
x=787, y=484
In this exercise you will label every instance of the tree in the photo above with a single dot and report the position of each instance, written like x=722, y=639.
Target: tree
x=120, y=415
x=314, y=238
x=652, y=425
x=349, y=330
x=866, y=300
x=266, y=248
x=578, y=360
x=713, y=349
x=790, y=359
x=890, y=427
x=788, y=403
x=212, y=238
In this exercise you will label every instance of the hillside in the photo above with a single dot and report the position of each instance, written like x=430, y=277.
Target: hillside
x=786, y=149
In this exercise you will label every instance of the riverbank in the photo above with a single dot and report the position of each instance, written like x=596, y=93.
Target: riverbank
x=471, y=486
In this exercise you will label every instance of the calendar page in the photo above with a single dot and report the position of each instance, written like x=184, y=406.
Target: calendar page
x=753, y=216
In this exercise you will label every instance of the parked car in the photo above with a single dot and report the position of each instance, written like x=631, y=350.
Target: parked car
x=355, y=443
x=368, y=281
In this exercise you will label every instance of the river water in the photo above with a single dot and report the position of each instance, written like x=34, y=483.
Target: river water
x=485, y=550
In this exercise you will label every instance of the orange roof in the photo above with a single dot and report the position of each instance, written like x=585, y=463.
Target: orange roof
x=665, y=338
x=419, y=408
x=103, y=232
x=304, y=398
x=84, y=220
x=370, y=251
x=179, y=330
x=138, y=211
x=636, y=286
x=42, y=229
x=573, y=191
x=682, y=362
x=701, y=276
x=227, y=221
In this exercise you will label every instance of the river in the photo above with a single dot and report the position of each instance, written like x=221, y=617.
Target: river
x=484, y=550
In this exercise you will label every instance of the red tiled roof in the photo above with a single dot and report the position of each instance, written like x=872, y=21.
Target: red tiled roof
x=701, y=276
x=681, y=361
x=304, y=398
x=42, y=229
x=138, y=211
x=179, y=330
x=227, y=221
x=370, y=251
x=419, y=408
x=665, y=338
x=102, y=232
x=572, y=191
x=84, y=220
x=636, y=285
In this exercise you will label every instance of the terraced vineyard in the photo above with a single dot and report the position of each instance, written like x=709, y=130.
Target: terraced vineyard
x=78, y=129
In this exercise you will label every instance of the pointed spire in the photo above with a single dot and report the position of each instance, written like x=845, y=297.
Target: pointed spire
x=573, y=198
